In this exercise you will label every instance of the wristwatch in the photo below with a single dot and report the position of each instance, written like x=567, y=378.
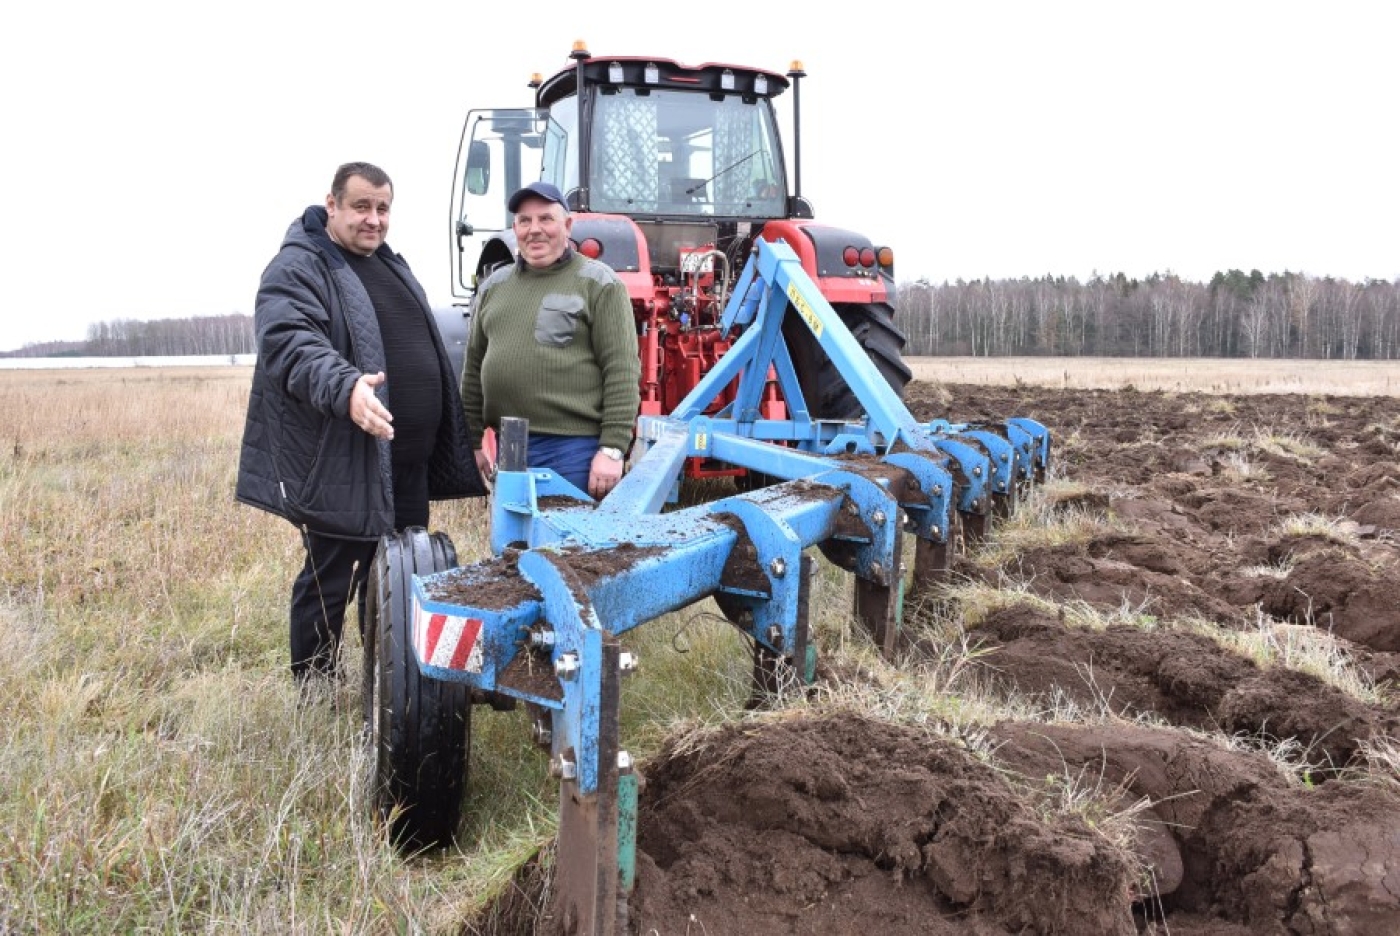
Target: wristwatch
x=614, y=453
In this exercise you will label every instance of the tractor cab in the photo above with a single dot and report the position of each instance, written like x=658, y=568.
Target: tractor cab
x=691, y=154
x=673, y=173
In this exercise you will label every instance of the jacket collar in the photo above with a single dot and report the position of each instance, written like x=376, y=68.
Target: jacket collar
x=564, y=260
x=312, y=228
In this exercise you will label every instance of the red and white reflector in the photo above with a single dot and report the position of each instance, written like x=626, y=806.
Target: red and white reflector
x=446, y=641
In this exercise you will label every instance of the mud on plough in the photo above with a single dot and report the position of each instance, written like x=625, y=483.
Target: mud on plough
x=542, y=622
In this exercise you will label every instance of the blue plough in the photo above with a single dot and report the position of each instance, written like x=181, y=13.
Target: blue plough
x=542, y=622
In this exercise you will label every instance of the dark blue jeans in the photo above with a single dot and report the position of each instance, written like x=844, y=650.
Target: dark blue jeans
x=570, y=457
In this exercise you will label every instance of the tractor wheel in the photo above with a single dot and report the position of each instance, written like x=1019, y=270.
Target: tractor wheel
x=419, y=728
x=828, y=395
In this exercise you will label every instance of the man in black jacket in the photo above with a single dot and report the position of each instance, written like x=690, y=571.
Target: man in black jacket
x=354, y=423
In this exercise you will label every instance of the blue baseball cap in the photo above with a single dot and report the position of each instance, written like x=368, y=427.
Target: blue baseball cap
x=543, y=190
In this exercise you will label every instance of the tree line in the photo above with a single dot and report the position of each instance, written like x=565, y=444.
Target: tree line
x=204, y=334
x=1236, y=314
x=214, y=334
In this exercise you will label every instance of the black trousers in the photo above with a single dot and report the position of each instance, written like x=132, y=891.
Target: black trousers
x=337, y=569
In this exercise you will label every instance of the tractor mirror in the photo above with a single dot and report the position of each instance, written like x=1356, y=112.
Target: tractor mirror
x=478, y=167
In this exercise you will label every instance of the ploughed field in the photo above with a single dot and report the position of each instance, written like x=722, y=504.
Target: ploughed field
x=1202, y=657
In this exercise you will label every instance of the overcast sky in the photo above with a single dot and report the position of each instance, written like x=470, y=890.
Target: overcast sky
x=155, y=152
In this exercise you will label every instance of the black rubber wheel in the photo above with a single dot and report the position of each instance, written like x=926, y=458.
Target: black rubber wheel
x=828, y=395
x=419, y=728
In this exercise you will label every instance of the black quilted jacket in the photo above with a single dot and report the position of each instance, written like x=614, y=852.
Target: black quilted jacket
x=302, y=458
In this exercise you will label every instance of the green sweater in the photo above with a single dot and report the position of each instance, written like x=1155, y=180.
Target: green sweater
x=557, y=347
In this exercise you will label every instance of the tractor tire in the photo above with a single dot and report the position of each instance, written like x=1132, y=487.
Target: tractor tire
x=418, y=728
x=827, y=393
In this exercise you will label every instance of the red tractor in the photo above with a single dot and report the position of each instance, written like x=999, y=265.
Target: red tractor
x=672, y=171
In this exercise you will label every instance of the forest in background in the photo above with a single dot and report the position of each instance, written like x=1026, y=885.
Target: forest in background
x=1235, y=315
x=201, y=334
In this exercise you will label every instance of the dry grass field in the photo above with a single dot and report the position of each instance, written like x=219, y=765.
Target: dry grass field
x=159, y=774
x=1207, y=375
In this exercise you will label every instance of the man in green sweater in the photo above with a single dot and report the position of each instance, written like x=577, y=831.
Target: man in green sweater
x=553, y=341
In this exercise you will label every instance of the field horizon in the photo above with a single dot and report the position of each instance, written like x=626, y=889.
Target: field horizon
x=1204, y=375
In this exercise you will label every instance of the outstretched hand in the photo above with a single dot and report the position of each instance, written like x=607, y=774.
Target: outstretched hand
x=366, y=410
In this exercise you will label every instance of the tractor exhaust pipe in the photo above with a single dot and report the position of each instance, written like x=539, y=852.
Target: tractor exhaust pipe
x=580, y=54
x=796, y=73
